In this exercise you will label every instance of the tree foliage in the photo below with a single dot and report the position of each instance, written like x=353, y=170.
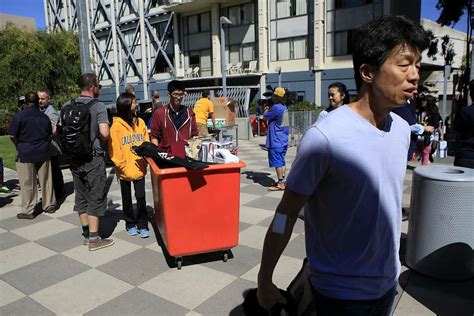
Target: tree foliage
x=32, y=60
x=451, y=11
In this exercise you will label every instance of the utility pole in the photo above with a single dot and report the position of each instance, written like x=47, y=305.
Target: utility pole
x=83, y=36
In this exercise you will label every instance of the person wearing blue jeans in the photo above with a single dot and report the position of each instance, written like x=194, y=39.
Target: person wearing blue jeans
x=348, y=175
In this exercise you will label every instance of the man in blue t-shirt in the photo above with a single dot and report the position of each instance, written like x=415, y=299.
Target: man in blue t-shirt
x=348, y=173
x=277, y=136
x=30, y=131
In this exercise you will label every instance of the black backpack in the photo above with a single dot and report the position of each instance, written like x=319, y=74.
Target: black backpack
x=74, y=131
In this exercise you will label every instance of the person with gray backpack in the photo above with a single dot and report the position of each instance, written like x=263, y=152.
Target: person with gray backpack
x=83, y=133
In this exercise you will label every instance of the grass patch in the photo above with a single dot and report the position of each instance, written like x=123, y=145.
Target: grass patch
x=7, y=152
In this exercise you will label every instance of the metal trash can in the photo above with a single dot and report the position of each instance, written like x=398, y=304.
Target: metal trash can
x=440, y=238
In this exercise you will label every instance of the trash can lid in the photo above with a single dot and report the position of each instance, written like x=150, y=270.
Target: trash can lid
x=445, y=173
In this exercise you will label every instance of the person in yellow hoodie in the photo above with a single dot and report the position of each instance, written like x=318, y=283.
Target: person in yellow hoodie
x=129, y=130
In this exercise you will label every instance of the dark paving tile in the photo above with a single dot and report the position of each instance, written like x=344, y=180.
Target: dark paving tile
x=243, y=226
x=44, y=273
x=256, y=189
x=8, y=240
x=71, y=218
x=240, y=261
x=138, y=302
x=14, y=223
x=296, y=248
x=267, y=203
x=227, y=301
x=298, y=228
x=137, y=240
x=25, y=307
x=136, y=267
x=64, y=240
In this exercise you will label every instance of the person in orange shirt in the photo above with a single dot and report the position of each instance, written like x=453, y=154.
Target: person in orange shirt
x=204, y=110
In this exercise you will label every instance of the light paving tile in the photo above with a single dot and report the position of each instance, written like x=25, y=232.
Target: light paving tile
x=101, y=256
x=8, y=293
x=188, y=287
x=246, y=197
x=10, y=211
x=94, y=286
x=23, y=255
x=254, y=236
x=193, y=313
x=252, y=215
x=43, y=229
x=285, y=271
x=3, y=230
x=275, y=194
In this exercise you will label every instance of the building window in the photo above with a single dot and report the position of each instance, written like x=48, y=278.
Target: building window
x=292, y=48
x=241, y=53
x=342, y=4
x=343, y=43
x=289, y=8
x=300, y=96
x=197, y=23
x=241, y=14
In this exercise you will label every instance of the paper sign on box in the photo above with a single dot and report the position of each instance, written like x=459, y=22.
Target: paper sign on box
x=224, y=109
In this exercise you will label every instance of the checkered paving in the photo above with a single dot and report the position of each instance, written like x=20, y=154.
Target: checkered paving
x=45, y=269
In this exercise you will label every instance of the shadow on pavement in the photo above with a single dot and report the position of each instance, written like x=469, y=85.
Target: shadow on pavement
x=261, y=178
x=191, y=259
x=441, y=297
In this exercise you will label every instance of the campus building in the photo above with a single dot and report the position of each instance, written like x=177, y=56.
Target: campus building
x=304, y=44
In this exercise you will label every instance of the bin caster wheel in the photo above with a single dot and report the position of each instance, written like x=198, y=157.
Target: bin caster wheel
x=225, y=256
x=179, y=263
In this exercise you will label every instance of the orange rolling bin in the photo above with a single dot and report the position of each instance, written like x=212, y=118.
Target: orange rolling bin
x=197, y=211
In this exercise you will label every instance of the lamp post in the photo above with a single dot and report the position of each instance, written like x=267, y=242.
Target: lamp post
x=223, y=20
x=278, y=69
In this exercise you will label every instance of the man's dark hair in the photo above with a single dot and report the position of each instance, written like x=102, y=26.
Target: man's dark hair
x=373, y=43
x=45, y=91
x=87, y=80
x=31, y=98
x=130, y=89
x=124, y=104
x=206, y=94
x=342, y=89
x=155, y=94
x=176, y=85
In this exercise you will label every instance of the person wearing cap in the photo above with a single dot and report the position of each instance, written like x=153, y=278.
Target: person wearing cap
x=277, y=136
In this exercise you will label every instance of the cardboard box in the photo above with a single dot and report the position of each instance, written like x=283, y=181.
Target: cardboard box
x=224, y=109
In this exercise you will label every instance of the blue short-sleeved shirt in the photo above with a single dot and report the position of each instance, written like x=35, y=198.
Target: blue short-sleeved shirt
x=278, y=126
x=353, y=174
x=32, y=129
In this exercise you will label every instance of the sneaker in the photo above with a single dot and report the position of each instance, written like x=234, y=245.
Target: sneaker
x=132, y=231
x=50, y=209
x=25, y=216
x=4, y=189
x=99, y=243
x=86, y=241
x=144, y=233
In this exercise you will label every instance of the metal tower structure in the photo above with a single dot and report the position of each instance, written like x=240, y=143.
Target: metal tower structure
x=124, y=42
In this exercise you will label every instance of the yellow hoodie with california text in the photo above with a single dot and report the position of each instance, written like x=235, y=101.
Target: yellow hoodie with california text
x=128, y=166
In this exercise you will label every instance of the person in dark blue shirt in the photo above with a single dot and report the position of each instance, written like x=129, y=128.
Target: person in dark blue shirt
x=277, y=136
x=30, y=131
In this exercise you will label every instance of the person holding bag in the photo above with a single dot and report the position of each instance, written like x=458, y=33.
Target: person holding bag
x=128, y=130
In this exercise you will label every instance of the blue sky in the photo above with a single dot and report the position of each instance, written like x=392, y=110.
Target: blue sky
x=35, y=9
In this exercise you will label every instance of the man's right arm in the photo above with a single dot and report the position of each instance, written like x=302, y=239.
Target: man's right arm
x=104, y=130
x=276, y=239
